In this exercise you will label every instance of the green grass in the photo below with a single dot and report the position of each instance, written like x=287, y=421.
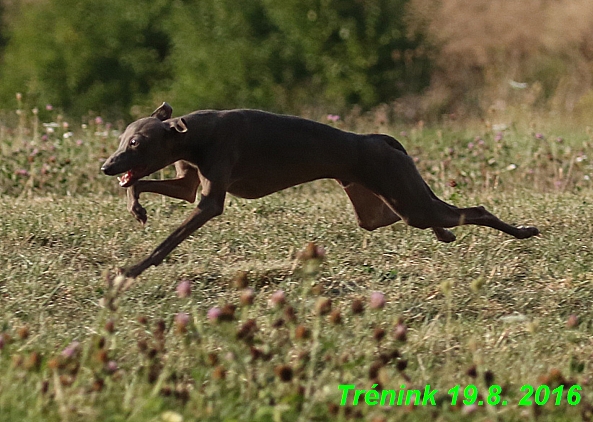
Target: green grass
x=503, y=306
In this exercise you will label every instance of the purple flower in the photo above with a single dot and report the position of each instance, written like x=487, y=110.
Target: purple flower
x=540, y=136
x=181, y=321
x=78, y=142
x=377, y=300
x=278, y=298
x=49, y=107
x=71, y=350
x=214, y=314
x=111, y=367
x=498, y=137
x=333, y=117
x=184, y=289
x=98, y=120
x=21, y=172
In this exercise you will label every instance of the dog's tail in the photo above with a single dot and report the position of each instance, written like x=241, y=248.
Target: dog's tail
x=392, y=142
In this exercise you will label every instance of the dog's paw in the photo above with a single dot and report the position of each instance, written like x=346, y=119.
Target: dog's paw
x=526, y=232
x=444, y=235
x=139, y=212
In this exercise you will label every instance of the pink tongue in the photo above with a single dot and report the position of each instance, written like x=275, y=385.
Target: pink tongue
x=125, y=178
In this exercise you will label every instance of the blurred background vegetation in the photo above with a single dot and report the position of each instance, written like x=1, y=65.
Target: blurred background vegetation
x=422, y=58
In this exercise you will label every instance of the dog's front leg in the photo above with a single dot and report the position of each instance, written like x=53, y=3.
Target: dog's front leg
x=211, y=205
x=184, y=186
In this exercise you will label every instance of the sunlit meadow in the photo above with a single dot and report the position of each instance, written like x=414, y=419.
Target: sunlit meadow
x=269, y=308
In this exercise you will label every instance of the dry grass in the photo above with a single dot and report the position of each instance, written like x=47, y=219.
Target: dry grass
x=486, y=303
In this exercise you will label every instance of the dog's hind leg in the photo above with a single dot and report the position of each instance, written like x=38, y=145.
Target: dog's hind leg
x=400, y=185
x=372, y=212
x=184, y=186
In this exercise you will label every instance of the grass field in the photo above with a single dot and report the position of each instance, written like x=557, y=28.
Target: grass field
x=377, y=311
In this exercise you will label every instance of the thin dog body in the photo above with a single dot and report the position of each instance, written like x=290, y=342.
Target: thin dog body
x=251, y=154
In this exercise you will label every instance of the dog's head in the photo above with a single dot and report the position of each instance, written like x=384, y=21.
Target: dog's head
x=145, y=146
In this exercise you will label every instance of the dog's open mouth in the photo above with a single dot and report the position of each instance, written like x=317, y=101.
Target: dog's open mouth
x=132, y=176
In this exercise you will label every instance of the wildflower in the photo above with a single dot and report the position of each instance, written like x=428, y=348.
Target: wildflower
x=290, y=314
x=335, y=317
x=79, y=142
x=23, y=332
x=378, y=334
x=247, y=297
x=278, y=299
x=573, y=321
x=184, y=289
x=400, y=332
x=540, y=136
x=301, y=332
x=110, y=326
x=323, y=306
x=181, y=322
x=498, y=137
x=357, y=307
x=284, y=372
x=240, y=281
x=22, y=172
x=312, y=251
x=333, y=118
x=98, y=120
x=71, y=350
x=111, y=367
x=377, y=300
x=214, y=314
x=403, y=134
x=49, y=107
x=472, y=371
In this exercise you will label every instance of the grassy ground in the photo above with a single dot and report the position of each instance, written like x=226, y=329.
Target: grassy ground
x=486, y=310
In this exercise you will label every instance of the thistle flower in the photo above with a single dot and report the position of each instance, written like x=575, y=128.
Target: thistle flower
x=377, y=300
x=247, y=297
x=181, y=321
x=214, y=314
x=357, y=307
x=71, y=350
x=323, y=306
x=184, y=289
x=284, y=372
x=278, y=299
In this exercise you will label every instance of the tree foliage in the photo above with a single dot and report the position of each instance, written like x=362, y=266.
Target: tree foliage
x=283, y=55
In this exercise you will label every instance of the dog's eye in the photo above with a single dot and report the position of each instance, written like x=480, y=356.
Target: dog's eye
x=133, y=142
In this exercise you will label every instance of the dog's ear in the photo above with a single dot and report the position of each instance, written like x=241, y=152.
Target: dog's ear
x=163, y=113
x=178, y=125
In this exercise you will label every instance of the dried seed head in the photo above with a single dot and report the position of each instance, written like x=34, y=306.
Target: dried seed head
x=227, y=313
x=323, y=306
x=212, y=359
x=311, y=251
x=23, y=332
x=357, y=307
x=219, y=373
x=335, y=317
x=142, y=320
x=488, y=377
x=240, y=281
x=302, y=333
x=472, y=371
x=284, y=372
x=401, y=365
x=110, y=326
x=378, y=334
x=290, y=314
x=374, y=369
